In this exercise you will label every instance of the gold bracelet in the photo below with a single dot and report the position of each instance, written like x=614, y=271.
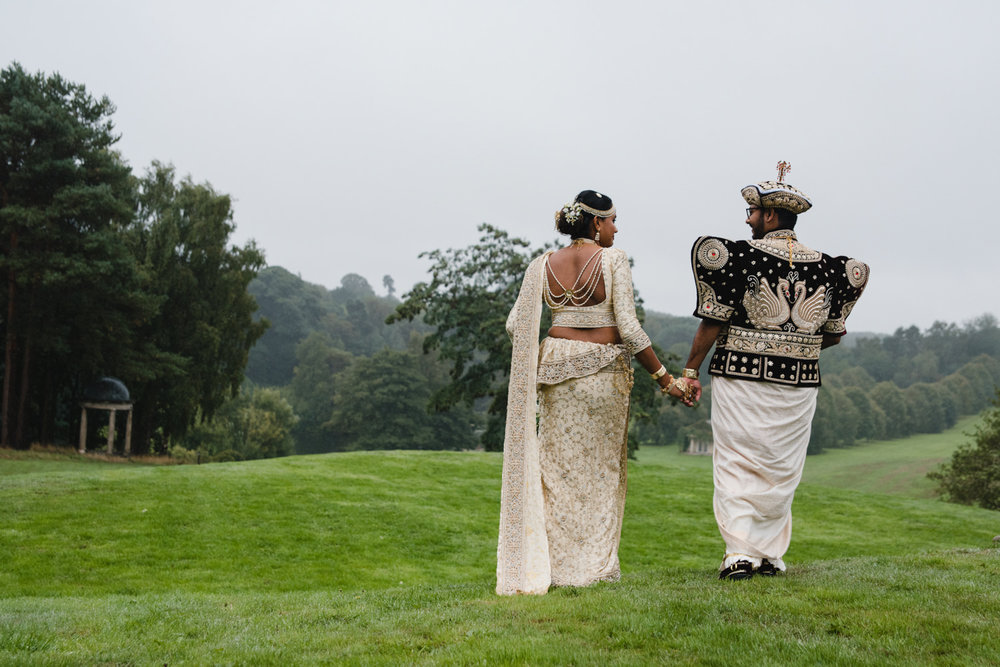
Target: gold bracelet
x=660, y=373
x=671, y=381
x=686, y=389
x=691, y=373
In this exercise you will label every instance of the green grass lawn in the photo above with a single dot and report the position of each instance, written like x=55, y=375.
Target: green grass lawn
x=389, y=558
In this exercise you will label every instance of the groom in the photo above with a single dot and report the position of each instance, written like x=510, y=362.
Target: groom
x=769, y=305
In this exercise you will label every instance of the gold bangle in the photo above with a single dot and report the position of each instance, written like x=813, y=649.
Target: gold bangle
x=671, y=381
x=691, y=373
x=660, y=373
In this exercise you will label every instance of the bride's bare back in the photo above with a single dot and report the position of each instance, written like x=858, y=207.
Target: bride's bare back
x=574, y=277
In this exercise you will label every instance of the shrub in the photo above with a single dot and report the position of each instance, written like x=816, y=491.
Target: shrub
x=972, y=477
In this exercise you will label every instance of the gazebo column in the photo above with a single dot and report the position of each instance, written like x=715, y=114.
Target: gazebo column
x=128, y=434
x=83, y=430
x=111, y=432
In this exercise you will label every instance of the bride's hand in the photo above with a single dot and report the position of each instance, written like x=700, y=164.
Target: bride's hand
x=686, y=390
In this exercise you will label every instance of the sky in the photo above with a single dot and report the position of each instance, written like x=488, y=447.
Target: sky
x=352, y=136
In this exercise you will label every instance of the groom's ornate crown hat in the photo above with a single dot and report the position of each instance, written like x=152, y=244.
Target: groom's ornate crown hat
x=777, y=194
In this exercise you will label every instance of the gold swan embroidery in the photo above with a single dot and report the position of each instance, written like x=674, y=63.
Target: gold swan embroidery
x=767, y=309
x=810, y=313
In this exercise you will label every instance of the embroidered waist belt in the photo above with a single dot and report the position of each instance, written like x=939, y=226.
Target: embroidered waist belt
x=781, y=343
x=562, y=359
x=583, y=319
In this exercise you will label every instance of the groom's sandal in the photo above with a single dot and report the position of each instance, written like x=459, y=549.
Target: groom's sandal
x=741, y=569
x=767, y=569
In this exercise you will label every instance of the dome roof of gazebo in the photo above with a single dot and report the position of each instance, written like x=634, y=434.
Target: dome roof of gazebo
x=107, y=390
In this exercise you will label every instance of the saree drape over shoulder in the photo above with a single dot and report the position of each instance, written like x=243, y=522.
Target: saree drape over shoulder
x=564, y=475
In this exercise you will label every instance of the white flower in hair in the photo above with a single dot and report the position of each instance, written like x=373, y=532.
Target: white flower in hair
x=572, y=212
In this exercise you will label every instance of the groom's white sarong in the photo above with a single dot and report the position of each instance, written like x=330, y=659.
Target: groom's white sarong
x=761, y=433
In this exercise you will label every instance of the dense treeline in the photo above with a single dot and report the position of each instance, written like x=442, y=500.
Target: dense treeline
x=353, y=381
x=110, y=273
x=874, y=386
x=906, y=383
x=910, y=356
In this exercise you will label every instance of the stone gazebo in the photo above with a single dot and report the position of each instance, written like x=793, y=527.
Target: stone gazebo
x=108, y=394
x=699, y=439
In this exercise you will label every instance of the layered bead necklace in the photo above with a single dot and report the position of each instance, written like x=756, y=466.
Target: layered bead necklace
x=581, y=292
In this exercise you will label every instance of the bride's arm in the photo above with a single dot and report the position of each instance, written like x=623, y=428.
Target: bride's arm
x=631, y=332
x=623, y=301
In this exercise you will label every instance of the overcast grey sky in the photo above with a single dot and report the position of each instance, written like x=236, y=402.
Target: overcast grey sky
x=354, y=135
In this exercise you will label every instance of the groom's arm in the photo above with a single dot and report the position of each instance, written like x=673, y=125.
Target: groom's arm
x=702, y=344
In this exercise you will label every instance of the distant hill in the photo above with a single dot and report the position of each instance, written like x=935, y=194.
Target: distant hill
x=352, y=316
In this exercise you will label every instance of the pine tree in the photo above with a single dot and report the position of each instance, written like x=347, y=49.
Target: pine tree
x=69, y=293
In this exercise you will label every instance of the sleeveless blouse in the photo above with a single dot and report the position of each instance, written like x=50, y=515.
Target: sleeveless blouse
x=617, y=309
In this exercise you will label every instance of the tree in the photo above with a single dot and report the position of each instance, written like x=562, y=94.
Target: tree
x=871, y=418
x=65, y=194
x=980, y=380
x=856, y=376
x=922, y=367
x=266, y=425
x=959, y=387
x=870, y=354
x=890, y=398
x=945, y=341
x=972, y=476
x=467, y=300
x=256, y=424
x=294, y=309
x=317, y=376
x=836, y=421
x=926, y=413
x=382, y=403
x=196, y=346
x=984, y=336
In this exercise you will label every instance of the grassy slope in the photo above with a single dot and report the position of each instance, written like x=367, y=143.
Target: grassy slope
x=897, y=467
x=389, y=557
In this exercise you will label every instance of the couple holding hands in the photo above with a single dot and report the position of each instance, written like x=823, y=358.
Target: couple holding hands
x=768, y=305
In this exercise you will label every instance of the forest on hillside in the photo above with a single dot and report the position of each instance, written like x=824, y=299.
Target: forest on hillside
x=327, y=349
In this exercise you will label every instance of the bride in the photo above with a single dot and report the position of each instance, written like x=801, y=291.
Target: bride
x=563, y=487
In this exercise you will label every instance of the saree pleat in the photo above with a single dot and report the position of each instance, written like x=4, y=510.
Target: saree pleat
x=582, y=434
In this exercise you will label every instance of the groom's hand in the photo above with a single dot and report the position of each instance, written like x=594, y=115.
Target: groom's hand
x=696, y=386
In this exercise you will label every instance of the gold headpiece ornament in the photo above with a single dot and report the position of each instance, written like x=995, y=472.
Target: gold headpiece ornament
x=593, y=211
x=777, y=194
x=783, y=168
